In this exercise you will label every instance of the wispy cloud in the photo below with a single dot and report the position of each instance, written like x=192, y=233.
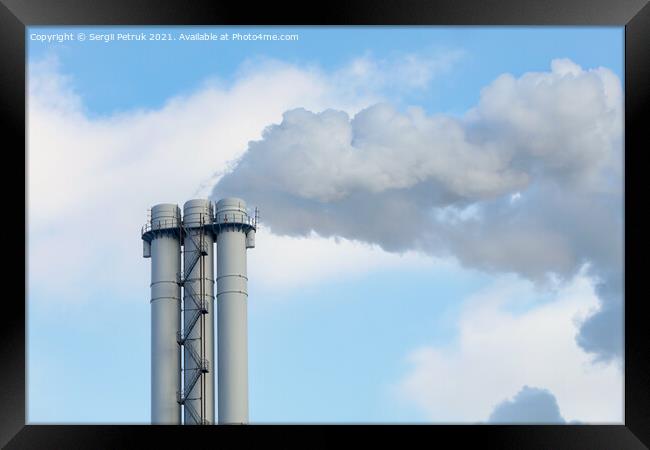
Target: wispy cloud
x=398, y=73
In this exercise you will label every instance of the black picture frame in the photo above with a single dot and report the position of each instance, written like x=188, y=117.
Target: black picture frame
x=634, y=15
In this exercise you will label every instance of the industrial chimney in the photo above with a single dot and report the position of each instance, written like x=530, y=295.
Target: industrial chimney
x=184, y=330
x=234, y=236
x=162, y=243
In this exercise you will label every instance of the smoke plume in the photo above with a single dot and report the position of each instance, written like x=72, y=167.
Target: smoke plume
x=529, y=181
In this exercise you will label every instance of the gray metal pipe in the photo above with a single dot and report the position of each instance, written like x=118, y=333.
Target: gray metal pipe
x=232, y=298
x=234, y=232
x=196, y=215
x=164, y=249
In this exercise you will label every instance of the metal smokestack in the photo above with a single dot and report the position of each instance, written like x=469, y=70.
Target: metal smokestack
x=192, y=383
x=233, y=226
x=198, y=311
x=162, y=244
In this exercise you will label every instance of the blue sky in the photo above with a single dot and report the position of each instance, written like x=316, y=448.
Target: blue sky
x=355, y=334
x=130, y=74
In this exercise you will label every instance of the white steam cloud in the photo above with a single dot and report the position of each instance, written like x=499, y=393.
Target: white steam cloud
x=406, y=180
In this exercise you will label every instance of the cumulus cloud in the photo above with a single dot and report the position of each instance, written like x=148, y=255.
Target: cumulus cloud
x=530, y=405
x=512, y=334
x=407, y=180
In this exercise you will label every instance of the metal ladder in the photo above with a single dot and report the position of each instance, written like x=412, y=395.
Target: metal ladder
x=199, y=306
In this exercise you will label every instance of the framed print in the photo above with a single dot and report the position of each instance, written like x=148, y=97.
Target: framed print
x=402, y=220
